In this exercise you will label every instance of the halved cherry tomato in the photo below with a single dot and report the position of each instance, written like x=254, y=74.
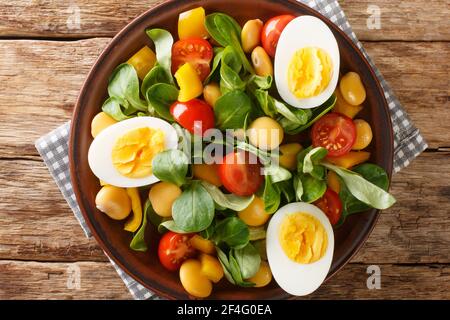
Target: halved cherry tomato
x=335, y=132
x=240, y=173
x=192, y=114
x=271, y=32
x=331, y=205
x=198, y=52
x=173, y=249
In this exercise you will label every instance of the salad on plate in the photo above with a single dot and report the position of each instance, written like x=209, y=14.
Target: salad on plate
x=241, y=146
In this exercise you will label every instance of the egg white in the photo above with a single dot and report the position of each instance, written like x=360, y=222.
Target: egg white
x=301, y=32
x=100, y=151
x=295, y=278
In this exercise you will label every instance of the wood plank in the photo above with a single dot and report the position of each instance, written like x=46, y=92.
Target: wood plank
x=41, y=79
x=32, y=280
x=409, y=20
x=37, y=224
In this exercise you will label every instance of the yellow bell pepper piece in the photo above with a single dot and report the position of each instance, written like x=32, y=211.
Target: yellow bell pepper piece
x=333, y=182
x=344, y=107
x=189, y=82
x=191, y=24
x=143, y=61
x=135, y=221
x=350, y=159
x=202, y=244
x=207, y=172
x=211, y=267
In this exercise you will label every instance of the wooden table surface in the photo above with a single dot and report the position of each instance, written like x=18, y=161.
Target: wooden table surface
x=45, y=56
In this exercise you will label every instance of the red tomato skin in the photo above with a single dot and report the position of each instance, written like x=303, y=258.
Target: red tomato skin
x=238, y=175
x=331, y=205
x=271, y=32
x=187, y=113
x=196, y=51
x=173, y=249
x=346, y=130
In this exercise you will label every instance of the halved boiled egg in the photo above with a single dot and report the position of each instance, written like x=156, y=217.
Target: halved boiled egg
x=121, y=155
x=300, y=245
x=306, y=63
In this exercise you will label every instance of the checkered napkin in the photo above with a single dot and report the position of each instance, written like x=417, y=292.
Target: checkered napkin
x=408, y=143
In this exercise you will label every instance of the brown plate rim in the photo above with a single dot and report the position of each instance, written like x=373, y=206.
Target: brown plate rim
x=74, y=128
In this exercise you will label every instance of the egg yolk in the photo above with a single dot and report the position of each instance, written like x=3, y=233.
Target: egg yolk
x=303, y=238
x=309, y=72
x=133, y=152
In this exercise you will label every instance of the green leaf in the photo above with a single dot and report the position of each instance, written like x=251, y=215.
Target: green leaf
x=298, y=187
x=311, y=162
x=260, y=82
x=362, y=189
x=138, y=241
x=226, y=31
x=317, y=113
x=232, y=231
x=265, y=103
x=223, y=259
x=227, y=201
x=156, y=75
x=286, y=188
x=193, y=210
x=171, y=166
x=163, y=46
x=248, y=260
x=124, y=84
x=160, y=97
x=297, y=116
x=218, y=52
x=313, y=188
x=171, y=226
x=271, y=196
x=277, y=173
x=236, y=272
x=112, y=107
x=260, y=245
x=229, y=71
x=257, y=233
x=231, y=110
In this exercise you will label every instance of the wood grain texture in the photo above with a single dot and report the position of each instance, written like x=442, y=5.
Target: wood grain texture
x=42, y=79
x=39, y=225
x=411, y=20
x=29, y=280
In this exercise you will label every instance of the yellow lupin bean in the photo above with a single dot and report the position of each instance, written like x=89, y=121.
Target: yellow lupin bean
x=251, y=34
x=100, y=122
x=193, y=280
x=363, y=134
x=263, y=276
x=211, y=92
x=162, y=196
x=261, y=62
x=265, y=133
x=352, y=89
x=254, y=215
x=114, y=202
x=288, y=156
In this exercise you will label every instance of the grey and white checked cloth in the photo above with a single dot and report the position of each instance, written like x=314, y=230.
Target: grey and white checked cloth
x=408, y=143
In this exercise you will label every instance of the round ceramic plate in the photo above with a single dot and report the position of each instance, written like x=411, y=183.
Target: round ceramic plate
x=145, y=267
